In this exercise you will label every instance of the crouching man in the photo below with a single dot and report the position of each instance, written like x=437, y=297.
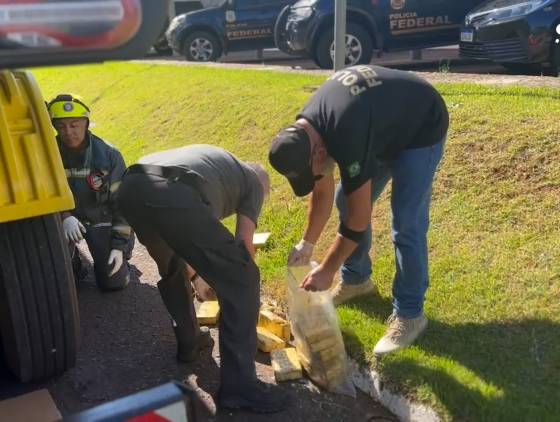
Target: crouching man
x=94, y=170
x=174, y=200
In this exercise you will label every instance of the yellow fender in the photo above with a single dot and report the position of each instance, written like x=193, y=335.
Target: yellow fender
x=32, y=178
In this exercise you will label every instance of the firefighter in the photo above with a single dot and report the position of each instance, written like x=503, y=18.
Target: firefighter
x=94, y=170
x=174, y=201
x=377, y=125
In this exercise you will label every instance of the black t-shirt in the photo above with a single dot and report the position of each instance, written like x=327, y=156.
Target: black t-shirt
x=369, y=114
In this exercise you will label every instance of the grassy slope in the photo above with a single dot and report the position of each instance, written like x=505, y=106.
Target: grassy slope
x=493, y=347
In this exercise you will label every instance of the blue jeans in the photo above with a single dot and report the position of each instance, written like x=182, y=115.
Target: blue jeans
x=412, y=173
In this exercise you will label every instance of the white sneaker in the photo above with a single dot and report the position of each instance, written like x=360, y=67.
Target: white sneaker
x=401, y=333
x=343, y=292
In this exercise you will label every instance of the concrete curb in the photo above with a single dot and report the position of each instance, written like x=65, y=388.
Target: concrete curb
x=369, y=381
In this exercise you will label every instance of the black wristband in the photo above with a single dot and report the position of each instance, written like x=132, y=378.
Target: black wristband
x=194, y=276
x=350, y=234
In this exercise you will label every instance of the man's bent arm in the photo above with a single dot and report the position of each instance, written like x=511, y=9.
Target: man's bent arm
x=320, y=207
x=244, y=230
x=359, y=216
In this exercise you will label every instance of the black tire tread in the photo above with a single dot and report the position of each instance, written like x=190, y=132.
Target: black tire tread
x=38, y=304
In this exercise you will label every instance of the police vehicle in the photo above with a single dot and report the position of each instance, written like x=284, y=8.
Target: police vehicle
x=234, y=25
x=372, y=25
x=522, y=35
x=178, y=7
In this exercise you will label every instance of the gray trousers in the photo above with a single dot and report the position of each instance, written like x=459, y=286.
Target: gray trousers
x=172, y=221
x=98, y=239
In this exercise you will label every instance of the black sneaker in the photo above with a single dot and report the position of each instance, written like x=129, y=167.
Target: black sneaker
x=203, y=341
x=259, y=398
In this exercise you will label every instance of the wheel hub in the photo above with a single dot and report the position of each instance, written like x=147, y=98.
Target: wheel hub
x=201, y=49
x=353, y=50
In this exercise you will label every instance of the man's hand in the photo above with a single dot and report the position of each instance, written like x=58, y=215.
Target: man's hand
x=318, y=279
x=203, y=290
x=73, y=229
x=116, y=259
x=301, y=253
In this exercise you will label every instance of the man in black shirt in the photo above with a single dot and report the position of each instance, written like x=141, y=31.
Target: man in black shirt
x=376, y=124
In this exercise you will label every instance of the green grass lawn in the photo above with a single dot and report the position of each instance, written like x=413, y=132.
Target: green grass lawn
x=492, y=350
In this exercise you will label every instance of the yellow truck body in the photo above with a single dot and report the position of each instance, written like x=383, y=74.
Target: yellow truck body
x=32, y=178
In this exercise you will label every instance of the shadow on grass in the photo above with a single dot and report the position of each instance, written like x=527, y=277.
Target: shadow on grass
x=504, y=370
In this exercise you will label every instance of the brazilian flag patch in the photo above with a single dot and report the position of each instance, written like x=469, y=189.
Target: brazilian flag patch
x=353, y=169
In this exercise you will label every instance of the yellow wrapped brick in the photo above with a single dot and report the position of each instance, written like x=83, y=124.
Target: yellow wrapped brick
x=260, y=239
x=286, y=364
x=330, y=353
x=208, y=313
x=267, y=342
x=326, y=343
x=315, y=336
x=275, y=324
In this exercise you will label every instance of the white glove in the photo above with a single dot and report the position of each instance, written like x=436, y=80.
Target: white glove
x=116, y=259
x=301, y=253
x=73, y=229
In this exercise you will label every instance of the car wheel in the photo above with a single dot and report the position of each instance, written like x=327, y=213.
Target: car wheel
x=39, y=319
x=359, y=47
x=280, y=31
x=202, y=46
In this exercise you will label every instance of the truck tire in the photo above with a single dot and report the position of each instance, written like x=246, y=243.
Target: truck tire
x=202, y=46
x=39, y=320
x=359, y=47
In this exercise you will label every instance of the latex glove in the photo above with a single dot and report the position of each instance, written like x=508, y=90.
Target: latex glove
x=116, y=258
x=73, y=229
x=203, y=290
x=301, y=253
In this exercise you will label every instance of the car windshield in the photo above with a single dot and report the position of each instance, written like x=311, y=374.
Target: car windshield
x=304, y=3
x=498, y=4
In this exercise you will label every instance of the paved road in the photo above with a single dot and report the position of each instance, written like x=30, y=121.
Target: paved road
x=127, y=345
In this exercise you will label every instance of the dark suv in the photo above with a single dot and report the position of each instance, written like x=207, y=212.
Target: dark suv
x=381, y=25
x=204, y=35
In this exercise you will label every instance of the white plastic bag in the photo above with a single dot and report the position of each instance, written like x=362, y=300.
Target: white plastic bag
x=317, y=336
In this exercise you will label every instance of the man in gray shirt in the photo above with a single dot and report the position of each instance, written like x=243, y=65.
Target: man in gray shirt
x=174, y=200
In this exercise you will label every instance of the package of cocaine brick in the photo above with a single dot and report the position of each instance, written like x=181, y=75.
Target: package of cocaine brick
x=316, y=333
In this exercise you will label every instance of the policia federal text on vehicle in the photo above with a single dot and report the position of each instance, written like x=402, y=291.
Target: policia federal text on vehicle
x=372, y=25
x=235, y=25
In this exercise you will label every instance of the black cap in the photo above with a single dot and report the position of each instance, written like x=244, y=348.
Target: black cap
x=290, y=155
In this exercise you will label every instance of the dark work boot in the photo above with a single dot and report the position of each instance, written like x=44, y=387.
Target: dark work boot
x=259, y=397
x=78, y=267
x=187, y=352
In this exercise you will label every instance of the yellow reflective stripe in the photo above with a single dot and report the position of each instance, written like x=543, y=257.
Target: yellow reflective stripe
x=114, y=186
x=77, y=173
x=122, y=229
